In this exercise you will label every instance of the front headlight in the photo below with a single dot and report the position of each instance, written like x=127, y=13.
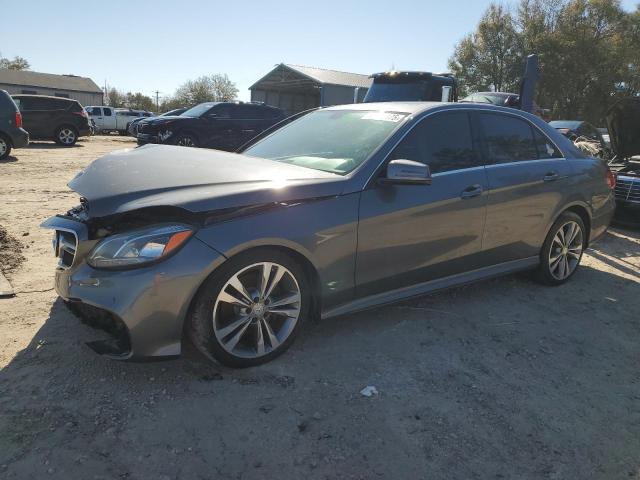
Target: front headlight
x=139, y=247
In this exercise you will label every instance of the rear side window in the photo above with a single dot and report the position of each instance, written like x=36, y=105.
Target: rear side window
x=107, y=112
x=507, y=138
x=442, y=141
x=546, y=148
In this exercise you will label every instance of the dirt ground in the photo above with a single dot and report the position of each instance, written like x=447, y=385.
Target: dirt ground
x=504, y=379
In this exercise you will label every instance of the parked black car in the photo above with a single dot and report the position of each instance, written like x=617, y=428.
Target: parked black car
x=623, y=122
x=219, y=125
x=12, y=135
x=53, y=118
x=133, y=126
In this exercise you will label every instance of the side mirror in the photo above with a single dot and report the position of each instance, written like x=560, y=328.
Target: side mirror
x=407, y=172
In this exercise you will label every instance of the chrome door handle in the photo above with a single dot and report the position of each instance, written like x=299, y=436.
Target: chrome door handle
x=471, y=191
x=550, y=177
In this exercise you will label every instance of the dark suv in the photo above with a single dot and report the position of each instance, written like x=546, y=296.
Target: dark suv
x=12, y=135
x=219, y=125
x=53, y=118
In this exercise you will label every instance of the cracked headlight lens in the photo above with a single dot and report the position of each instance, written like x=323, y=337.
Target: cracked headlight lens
x=139, y=247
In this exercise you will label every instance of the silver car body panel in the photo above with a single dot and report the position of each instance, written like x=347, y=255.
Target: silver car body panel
x=366, y=243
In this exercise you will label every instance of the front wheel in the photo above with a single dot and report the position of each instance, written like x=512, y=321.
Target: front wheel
x=250, y=311
x=5, y=148
x=562, y=250
x=186, y=140
x=66, y=136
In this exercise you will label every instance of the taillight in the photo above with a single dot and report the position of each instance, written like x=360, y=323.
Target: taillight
x=18, y=120
x=611, y=179
x=82, y=113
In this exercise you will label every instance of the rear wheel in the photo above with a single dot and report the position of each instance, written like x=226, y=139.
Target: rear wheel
x=5, y=147
x=250, y=311
x=562, y=250
x=66, y=136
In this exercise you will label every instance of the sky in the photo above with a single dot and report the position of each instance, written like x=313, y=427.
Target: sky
x=144, y=46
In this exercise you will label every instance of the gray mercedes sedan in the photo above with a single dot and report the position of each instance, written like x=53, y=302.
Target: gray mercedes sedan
x=343, y=209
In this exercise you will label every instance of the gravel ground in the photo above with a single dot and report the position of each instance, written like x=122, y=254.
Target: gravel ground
x=504, y=379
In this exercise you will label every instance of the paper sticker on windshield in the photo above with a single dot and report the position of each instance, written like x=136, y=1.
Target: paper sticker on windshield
x=383, y=116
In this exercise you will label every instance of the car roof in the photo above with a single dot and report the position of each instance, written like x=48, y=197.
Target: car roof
x=23, y=95
x=566, y=123
x=418, y=107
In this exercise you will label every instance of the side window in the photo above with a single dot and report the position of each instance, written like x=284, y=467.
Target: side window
x=507, y=138
x=546, y=148
x=443, y=141
x=222, y=111
x=97, y=111
x=107, y=112
x=245, y=112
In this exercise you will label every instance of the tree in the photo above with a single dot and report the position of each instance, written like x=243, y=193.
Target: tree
x=139, y=101
x=589, y=52
x=115, y=98
x=18, y=63
x=488, y=58
x=212, y=88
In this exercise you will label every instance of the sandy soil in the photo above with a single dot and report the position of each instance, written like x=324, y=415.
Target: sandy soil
x=503, y=379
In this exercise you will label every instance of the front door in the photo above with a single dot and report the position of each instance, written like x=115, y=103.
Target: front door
x=526, y=175
x=409, y=234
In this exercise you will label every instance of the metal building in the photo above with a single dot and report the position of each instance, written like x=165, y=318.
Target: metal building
x=294, y=88
x=81, y=89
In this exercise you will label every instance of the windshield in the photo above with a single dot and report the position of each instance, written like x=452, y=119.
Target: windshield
x=334, y=141
x=398, y=92
x=198, y=109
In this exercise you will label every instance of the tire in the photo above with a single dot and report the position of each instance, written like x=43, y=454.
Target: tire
x=186, y=140
x=249, y=332
x=5, y=147
x=66, y=136
x=559, y=258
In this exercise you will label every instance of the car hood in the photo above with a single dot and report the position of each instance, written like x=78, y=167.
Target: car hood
x=165, y=119
x=197, y=180
x=623, y=122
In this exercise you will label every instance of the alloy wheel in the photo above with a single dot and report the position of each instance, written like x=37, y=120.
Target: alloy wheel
x=566, y=250
x=186, y=142
x=67, y=136
x=3, y=147
x=256, y=310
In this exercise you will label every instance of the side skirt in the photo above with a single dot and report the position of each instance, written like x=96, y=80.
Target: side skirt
x=431, y=286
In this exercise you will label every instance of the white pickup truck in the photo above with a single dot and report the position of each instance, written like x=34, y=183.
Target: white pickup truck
x=109, y=119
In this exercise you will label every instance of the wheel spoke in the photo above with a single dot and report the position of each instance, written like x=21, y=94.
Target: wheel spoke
x=574, y=233
x=233, y=341
x=233, y=326
x=273, y=340
x=277, y=276
x=288, y=300
x=287, y=312
x=259, y=339
x=233, y=300
x=241, y=289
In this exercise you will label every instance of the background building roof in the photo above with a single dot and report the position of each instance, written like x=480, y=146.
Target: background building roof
x=48, y=80
x=300, y=76
x=322, y=75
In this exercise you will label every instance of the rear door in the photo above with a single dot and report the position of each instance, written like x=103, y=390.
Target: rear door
x=527, y=175
x=409, y=234
x=37, y=116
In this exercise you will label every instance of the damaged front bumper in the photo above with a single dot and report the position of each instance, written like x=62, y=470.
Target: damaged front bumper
x=145, y=306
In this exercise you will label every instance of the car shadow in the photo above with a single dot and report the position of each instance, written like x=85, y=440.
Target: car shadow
x=506, y=369
x=52, y=144
x=9, y=159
